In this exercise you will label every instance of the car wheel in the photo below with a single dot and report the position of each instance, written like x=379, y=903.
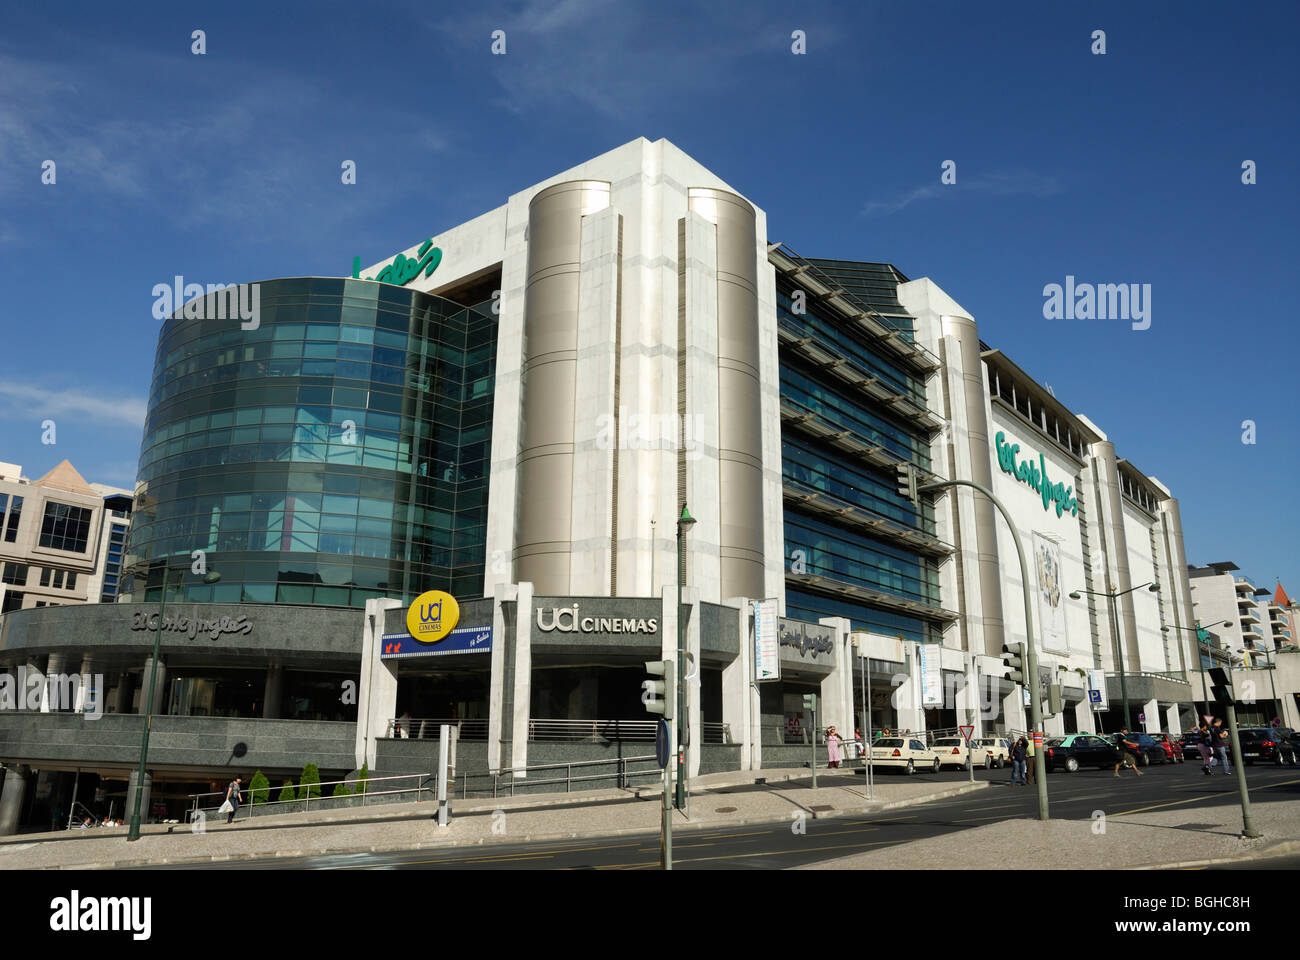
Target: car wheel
x=935, y=769
x=988, y=762
x=911, y=768
x=1146, y=760
x=1071, y=765
x=1277, y=759
x=1002, y=762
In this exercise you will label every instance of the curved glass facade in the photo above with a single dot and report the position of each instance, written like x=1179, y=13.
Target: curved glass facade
x=338, y=452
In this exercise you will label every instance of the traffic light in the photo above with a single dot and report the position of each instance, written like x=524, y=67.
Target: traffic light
x=660, y=696
x=1222, y=688
x=1055, y=702
x=907, y=482
x=810, y=701
x=1012, y=662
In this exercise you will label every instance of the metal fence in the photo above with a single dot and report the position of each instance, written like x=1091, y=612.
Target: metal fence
x=371, y=791
x=564, y=731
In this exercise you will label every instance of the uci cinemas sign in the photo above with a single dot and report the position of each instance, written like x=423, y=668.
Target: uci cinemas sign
x=568, y=620
x=1035, y=475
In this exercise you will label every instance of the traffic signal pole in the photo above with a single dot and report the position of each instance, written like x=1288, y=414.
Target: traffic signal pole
x=1031, y=657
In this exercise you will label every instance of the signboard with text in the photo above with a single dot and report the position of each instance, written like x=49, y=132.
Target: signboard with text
x=767, y=641
x=459, y=640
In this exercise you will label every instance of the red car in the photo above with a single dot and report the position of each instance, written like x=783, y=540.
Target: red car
x=1172, y=752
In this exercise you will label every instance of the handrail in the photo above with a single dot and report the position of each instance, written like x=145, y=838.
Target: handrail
x=364, y=794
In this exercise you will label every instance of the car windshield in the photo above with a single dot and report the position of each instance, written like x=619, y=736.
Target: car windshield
x=1055, y=741
x=889, y=743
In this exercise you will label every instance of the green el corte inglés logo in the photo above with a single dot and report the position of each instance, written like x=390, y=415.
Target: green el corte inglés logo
x=404, y=269
x=1035, y=475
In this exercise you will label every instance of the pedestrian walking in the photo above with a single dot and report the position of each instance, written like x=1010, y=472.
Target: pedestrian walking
x=1128, y=751
x=1221, y=742
x=1030, y=766
x=1018, y=763
x=833, y=741
x=233, y=797
x=1203, y=747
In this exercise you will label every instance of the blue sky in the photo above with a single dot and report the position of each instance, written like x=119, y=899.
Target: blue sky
x=1119, y=168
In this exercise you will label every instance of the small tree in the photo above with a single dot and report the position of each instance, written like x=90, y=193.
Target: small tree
x=309, y=782
x=363, y=776
x=259, y=787
x=286, y=792
x=341, y=790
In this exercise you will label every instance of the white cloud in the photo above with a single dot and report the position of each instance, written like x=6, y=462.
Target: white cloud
x=1005, y=183
x=23, y=401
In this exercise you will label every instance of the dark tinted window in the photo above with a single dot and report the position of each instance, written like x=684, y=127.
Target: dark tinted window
x=65, y=527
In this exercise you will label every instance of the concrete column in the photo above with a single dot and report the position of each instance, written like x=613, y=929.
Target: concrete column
x=377, y=694
x=12, y=796
x=1084, y=717
x=739, y=699
x=273, y=697
x=1183, y=614
x=907, y=697
x=522, y=675
x=83, y=689
x=1152, y=711
x=1173, y=721
x=500, y=704
x=160, y=705
x=1112, y=510
x=1013, y=710
x=122, y=693
x=837, y=698
x=51, y=698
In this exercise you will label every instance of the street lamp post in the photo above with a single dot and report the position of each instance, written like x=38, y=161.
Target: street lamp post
x=1031, y=657
x=684, y=523
x=1112, y=597
x=133, y=833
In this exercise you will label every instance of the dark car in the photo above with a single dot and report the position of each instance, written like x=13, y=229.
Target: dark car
x=1079, y=750
x=1268, y=744
x=1149, y=751
x=1189, y=745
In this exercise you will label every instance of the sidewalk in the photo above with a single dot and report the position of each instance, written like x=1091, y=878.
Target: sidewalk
x=717, y=799
x=1167, y=838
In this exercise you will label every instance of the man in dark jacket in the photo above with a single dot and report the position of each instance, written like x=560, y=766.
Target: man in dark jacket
x=1018, y=762
x=1128, y=752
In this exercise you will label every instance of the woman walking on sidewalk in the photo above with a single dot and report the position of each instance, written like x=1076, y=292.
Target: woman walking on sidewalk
x=833, y=741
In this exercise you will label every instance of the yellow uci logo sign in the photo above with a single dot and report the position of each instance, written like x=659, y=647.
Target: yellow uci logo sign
x=432, y=616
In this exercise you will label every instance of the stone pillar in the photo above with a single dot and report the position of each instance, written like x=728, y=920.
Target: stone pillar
x=1085, y=718
x=500, y=702
x=520, y=680
x=51, y=698
x=12, y=796
x=1152, y=711
x=739, y=699
x=273, y=697
x=160, y=705
x=837, y=701
x=122, y=693
x=1112, y=515
x=377, y=695
x=911, y=715
x=84, y=702
x=1013, y=710
x=1173, y=721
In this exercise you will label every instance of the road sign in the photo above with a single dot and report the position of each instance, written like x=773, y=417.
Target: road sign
x=967, y=732
x=663, y=747
x=1094, y=696
x=1142, y=718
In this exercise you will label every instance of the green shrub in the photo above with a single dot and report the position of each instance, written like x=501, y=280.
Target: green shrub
x=259, y=787
x=309, y=782
x=363, y=776
x=341, y=790
x=286, y=792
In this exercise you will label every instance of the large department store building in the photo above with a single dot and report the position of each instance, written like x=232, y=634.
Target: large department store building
x=514, y=411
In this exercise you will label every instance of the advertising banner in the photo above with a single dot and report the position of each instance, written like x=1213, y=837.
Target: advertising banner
x=1097, y=689
x=767, y=641
x=1051, y=611
x=459, y=640
x=931, y=675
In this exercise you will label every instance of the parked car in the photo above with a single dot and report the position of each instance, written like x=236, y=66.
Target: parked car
x=1172, y=753
x=1189, y=746
x=908, y=753
x=1270, y=744
x=1149, y=751
x=997, y=750
x=1077, y=750
x=952, y=752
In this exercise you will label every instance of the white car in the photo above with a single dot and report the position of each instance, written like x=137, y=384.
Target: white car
x=952, y=752
x=908, y=753
x=998, y=750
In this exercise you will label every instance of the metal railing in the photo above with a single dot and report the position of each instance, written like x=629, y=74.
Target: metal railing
x=627, y=731
x=412, y=728
x=373, y=790
x=622, y=774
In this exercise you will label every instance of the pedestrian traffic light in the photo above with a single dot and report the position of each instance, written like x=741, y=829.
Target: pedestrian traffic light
x=1012, y=662
x=907, y=481
x=659, y=696
x=1055, y=702
x=1222, y=688
x=810, y=701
